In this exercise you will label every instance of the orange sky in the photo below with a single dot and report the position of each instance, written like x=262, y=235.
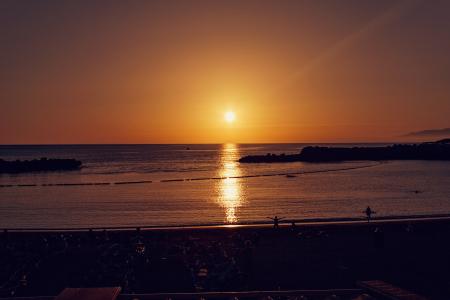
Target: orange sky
x=167, y=71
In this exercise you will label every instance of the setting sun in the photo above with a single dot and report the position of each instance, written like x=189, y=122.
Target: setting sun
x=230, y=116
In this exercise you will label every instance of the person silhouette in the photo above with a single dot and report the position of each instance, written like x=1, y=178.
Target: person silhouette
x=276, y=221
x=369, y=213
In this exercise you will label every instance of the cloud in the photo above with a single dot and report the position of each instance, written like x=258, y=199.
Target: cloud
x=430, y=133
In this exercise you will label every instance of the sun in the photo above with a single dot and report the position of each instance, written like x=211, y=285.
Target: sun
x=229, y=117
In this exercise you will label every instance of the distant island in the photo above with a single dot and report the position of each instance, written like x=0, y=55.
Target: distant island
x=39, y=165
x=439, y=150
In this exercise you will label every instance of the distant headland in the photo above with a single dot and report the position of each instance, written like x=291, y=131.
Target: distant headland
x=39, y=165
x=439, y=150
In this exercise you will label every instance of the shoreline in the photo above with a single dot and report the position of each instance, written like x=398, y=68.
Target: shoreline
x=312, y=222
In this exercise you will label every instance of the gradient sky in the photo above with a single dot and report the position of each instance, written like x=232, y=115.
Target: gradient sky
x=167, y=71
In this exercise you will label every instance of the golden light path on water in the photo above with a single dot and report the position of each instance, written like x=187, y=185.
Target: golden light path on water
x=229, y=189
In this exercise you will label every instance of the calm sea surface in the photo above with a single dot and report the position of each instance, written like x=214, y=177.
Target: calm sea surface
x=204, y=184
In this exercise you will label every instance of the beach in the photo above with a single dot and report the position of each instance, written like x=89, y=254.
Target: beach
x=411, y=254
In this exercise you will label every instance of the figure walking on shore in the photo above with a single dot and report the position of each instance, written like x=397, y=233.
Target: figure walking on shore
x=276, y=221
x=369, y=213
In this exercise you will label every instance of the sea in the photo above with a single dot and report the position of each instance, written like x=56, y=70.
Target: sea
x=172, y=185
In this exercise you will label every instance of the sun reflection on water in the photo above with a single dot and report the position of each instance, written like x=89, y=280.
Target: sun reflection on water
x=229, y=188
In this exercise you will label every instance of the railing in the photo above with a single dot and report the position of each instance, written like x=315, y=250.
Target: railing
x=30, y=298
x=306, y=294
x=246, y=295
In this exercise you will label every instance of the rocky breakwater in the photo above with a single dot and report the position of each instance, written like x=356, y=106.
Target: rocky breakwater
x=39, y=165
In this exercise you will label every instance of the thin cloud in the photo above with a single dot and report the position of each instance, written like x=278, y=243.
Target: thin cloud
x=430, y=133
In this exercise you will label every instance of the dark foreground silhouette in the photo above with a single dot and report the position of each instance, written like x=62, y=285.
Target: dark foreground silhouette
x=439, y=150
x=39, y=165
x=411, y=255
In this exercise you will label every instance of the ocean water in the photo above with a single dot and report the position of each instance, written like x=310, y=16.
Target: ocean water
x=157, y=185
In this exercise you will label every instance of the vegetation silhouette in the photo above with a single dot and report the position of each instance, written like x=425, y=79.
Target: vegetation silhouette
x=439, y=150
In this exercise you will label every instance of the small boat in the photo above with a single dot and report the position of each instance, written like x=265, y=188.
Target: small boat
x=290, y=176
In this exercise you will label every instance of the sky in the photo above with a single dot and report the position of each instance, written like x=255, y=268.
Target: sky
x=74, y=72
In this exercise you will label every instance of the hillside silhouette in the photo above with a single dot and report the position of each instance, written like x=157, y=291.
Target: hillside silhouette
x=439, y=150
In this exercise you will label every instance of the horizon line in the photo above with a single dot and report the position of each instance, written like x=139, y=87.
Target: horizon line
x=224, y=143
